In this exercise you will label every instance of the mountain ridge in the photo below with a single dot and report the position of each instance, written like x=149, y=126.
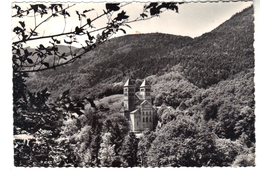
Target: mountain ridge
x=205, y=60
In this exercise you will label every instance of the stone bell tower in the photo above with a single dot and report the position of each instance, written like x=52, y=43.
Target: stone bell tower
x=129, y=97
x=145, y=91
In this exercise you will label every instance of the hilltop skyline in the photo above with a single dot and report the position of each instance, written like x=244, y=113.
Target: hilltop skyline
x=193, y=19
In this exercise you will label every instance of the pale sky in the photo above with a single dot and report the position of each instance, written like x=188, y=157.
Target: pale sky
x=193, y=19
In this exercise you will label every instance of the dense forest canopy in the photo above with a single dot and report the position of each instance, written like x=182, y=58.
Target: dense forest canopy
x=203, y=89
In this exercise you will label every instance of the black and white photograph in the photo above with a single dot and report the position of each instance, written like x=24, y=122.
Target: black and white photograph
x=133, y=84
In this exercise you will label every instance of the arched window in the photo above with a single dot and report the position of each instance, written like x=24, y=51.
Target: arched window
x=143, y=119
x=146, y=119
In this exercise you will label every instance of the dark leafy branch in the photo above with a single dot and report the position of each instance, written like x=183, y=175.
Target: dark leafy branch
x=28, y=63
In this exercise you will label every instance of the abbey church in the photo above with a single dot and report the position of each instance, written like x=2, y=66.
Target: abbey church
x=138, y=107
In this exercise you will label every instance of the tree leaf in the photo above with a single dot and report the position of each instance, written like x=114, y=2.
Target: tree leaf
x=17, y=30
x=90, y=37
x=121, y=16
x=128, y=26
x=52, y=6
x=89, y=21
x=151, y=5
x=41, y=47
x=34, y=7
x=68, y=42
x=67, y=14
x=54, y=15
x=49, y=52
x=155, y=11
x=46, y=64
x=122, y=30
x=112, y=6
x=60, y=5
x=24, y=37
x=34, y=33
x=22, y=23
x=78, y=30
x=143, y=15
x=77, y=12
x=88, y=10
x=29, y=60
x=56, y=8
x=17, y=7
x=42, y=6
x=26, y=53
x=64, y=13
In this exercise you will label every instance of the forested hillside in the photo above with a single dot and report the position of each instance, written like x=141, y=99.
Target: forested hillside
x=223, y=52
x=196, y=127
x=189, y=116
x=131, y=55
x=205, y=60
x=203, y=89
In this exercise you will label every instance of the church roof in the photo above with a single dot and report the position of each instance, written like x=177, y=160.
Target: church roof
x=134, y=111
x=138, y=102
x=145, y=83
x=129, y=82
x=139, y=97
x=145, y=101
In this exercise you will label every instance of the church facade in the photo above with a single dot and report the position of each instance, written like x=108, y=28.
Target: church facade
x=138, y=107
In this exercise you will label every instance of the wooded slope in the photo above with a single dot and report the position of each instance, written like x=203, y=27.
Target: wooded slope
x=204, y=61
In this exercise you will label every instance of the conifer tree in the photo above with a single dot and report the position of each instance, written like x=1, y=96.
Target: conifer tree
x=129, y=151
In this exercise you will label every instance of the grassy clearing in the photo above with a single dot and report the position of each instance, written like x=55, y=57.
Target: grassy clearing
x=113, y=102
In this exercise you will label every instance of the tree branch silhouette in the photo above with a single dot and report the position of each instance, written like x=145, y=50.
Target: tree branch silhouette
x=112, y=26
